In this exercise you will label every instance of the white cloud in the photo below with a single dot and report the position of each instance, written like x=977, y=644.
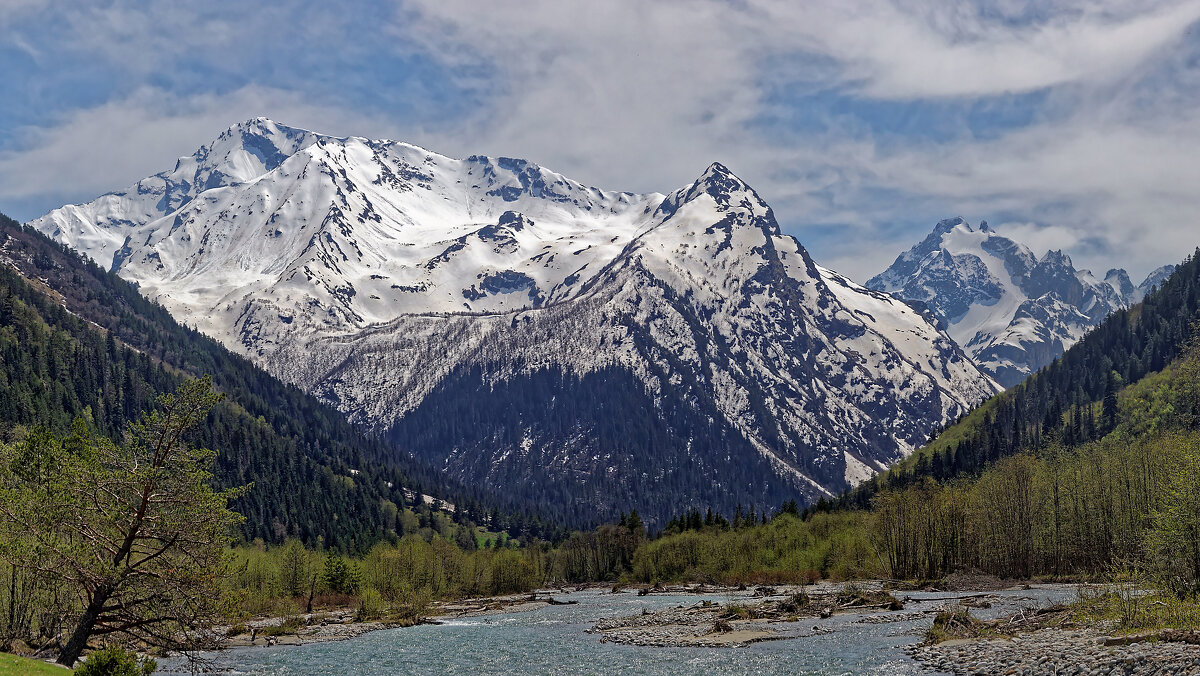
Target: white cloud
x=939, y=49
x=1040, y=238
x=110, y=146
x=13, y=9
x=629, y=95
x=632, y=95
x=642, y=96
x=1113, y=193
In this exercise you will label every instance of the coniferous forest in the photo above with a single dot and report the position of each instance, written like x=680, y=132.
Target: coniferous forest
x=81, y=342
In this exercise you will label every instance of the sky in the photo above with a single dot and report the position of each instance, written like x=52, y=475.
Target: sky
x=1070, y=125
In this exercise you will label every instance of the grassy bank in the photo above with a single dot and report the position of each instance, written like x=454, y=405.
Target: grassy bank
x=11, y=665
x=1127, y=610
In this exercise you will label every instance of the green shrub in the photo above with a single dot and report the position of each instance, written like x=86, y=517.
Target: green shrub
x=371, y=605
x=116, y=661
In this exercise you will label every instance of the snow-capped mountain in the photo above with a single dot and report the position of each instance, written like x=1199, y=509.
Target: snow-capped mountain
x=1010, y=310
x=600, y=349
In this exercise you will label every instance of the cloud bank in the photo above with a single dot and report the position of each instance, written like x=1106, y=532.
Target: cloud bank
x=1071, y=124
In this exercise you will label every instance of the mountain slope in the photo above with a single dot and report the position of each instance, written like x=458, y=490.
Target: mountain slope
x=79, y=341
x=1010, y=310
x=465, y=306
x=1073, y=399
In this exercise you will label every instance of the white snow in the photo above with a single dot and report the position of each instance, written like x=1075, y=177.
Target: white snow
x=856, y=470
x=987, y=319
x=1013, y=320
x=366, y=271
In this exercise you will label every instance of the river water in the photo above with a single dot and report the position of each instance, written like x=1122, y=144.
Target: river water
x=554, y=640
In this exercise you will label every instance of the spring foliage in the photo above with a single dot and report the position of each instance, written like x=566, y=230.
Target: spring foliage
x=1128, y=498
x=130, y=537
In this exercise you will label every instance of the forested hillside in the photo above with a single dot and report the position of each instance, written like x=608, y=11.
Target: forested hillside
x=1122, y=506
x=77, y=341
x=1088, y=467
x=1055, y=405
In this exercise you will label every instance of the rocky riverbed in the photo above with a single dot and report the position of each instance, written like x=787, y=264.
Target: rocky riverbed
x=1011, y=636
x=1015, y=643
x=769, y=631
x=1057, y=652
x=335, y=625
x=771, y=613
x=704, y=625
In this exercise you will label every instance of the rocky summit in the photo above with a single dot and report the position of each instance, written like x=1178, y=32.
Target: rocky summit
x=1012, y=311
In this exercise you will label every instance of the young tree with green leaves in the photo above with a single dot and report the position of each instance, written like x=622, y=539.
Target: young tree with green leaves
x=134, y=531
x=1174, y=539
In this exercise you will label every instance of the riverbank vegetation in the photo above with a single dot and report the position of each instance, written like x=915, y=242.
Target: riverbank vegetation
x=1067, y=510
x=398, y=581
x=107, y=541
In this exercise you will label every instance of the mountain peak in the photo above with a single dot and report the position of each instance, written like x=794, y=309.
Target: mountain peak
x=947, y=224
x=1118, y=279
x=1152, y=281
x=445, y=261
x=1010, y=310
x=262, y=125
x=261, y=120
x=719, y=181
x=717, y=169
x=1057, y=257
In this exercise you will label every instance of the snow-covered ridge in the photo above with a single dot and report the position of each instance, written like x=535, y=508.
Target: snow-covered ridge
x=1012, y=311
x=378, y=274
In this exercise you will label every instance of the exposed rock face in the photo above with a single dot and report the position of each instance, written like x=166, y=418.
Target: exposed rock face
x=1010, y=310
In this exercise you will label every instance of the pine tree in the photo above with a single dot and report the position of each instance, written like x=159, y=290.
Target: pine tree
x=294, y=575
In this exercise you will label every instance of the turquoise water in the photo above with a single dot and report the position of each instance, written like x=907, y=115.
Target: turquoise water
x=554, y=640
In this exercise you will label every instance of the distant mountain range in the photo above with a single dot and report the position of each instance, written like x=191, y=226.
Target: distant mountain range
x=1012, y=311
x=576, y=347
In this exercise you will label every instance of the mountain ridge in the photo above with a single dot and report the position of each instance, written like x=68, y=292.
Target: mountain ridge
x=374, y=273
x=1012, y=311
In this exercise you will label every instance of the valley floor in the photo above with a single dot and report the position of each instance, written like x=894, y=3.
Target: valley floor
x=1017, y=629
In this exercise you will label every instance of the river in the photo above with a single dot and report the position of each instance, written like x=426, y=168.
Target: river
x=554, y=640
